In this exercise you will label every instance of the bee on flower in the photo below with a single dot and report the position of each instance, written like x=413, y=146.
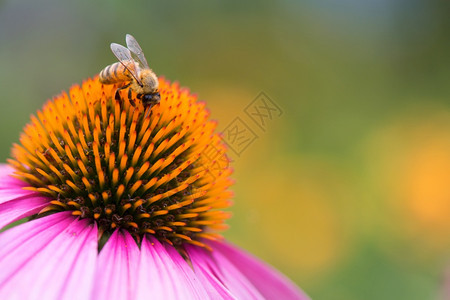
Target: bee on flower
x=119, y=204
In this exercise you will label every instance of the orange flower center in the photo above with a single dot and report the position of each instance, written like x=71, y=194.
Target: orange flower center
x=164, y=174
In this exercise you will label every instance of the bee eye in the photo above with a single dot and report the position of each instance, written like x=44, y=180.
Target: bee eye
x=147, y=98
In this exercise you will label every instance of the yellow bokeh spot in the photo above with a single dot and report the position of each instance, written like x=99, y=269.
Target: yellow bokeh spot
x=426, y=182
x=297, y=210
x=411, y=162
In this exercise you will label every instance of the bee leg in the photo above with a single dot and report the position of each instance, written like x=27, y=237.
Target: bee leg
x=117, y=95
x=130, y=98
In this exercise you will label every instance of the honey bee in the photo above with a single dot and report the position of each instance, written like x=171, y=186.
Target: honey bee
x=133, y=68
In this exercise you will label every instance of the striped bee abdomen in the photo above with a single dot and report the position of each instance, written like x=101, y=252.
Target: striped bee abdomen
x=116, y=73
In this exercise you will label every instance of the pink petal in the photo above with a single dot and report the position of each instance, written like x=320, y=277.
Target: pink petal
x=12, y=188
x=207, y=276
x=164, y=274
x=15, y=193
x=117, y=268
x=20, y=208
x=49, y=258
x=222, y=274
x=15, y=202
x=268, y=281
x=7, y=181
x=5, y=168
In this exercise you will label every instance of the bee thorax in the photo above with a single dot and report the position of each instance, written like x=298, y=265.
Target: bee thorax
x=149, y=81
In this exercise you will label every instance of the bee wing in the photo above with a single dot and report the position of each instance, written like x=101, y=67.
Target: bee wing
x=124, y=55
x=133, y=45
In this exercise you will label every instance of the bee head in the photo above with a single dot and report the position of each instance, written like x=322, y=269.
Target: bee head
x=148, y=99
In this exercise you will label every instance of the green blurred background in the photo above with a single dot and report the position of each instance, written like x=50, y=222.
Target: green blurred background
x=348, y=192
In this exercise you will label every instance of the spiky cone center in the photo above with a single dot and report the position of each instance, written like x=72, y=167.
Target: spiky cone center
x=163, y=173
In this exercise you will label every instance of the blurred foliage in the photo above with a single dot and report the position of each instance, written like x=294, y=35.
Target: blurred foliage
x=348, y=191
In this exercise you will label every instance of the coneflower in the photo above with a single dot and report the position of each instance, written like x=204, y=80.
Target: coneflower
x=123, y=205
